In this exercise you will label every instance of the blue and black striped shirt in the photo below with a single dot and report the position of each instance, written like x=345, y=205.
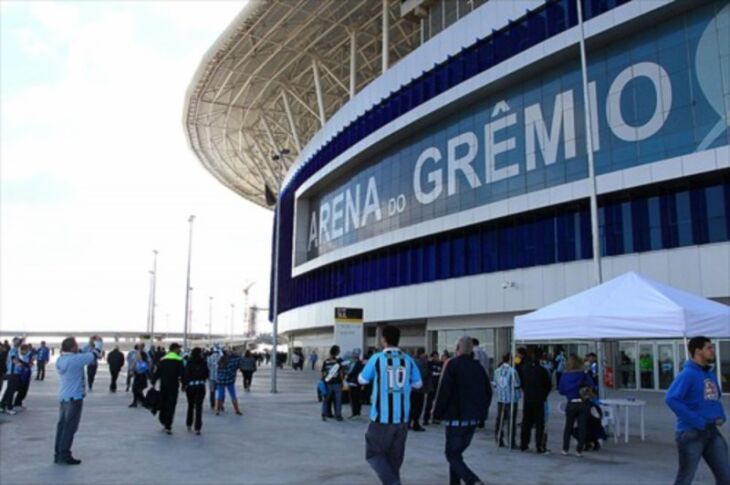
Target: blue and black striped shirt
x=393, y=374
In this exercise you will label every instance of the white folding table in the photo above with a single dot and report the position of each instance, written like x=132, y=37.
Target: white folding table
x=616, y=404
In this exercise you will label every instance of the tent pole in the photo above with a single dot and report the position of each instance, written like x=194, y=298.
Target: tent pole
x=512, y=407
x=601, y=387
x=686, y=349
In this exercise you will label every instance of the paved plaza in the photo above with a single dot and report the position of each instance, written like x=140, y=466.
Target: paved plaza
x=281, y=439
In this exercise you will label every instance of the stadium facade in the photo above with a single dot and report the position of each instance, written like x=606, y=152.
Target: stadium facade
x=430, y=159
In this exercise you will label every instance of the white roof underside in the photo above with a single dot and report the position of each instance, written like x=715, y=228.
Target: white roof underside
x=236, y=105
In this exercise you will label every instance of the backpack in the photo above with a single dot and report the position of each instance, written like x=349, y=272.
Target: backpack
x=142, y=367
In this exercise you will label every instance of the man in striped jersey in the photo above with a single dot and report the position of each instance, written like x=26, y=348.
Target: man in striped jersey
x=393, y=374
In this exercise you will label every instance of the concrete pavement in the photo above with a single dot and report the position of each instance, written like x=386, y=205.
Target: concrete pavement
x=281, y=439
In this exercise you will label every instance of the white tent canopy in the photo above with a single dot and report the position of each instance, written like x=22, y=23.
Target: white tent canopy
x=626, y=307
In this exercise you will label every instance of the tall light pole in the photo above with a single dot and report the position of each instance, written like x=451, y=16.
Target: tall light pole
x=276, y=157
x=210, y=319
x=246, y=316
x=233, y=319
x=154, y=296
x=187, y=284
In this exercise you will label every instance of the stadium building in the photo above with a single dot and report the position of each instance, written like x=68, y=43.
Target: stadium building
x=430, y=159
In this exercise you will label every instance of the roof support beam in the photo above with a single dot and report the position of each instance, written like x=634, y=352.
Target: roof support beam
x=333, y=76
x=353, y=63
x=386, y=37
x=318, y=90
x=293, y=126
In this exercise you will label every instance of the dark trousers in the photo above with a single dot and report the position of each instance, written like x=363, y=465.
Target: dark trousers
x=10, y=390
x=212, y=386
x=91, y=374
x=41, y=373
x=430, y=398
x=355, y=399
x=2, y=382
x=506, y=417
x=247, y=378
x=168, y=402
x=458, y=439
x=533, y=415
x=69, y=416
x=385, y=447
x=115, y=376
x=138, y=387
x=130, y=378
x=709, y=444
x=417, y=398
x=23, y=387
x=196, y=396
x=576, y=412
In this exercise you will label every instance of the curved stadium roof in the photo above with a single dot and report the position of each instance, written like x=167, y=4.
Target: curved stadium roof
x=275, y=76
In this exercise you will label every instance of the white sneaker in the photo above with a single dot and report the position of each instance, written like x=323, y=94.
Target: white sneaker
x=564, y=453
x=578, y=454
x=11, y=412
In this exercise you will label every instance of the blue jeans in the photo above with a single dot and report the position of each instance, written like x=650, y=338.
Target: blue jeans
x=709, y=444
x=221, y=391
x=69, y=416
x=334, y=391
x=458, y=439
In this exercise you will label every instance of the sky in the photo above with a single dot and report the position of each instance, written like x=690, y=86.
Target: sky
x=96, y=172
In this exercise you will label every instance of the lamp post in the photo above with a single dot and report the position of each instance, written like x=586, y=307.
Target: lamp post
x=246, y=310
x=233, y=319
x=277, y=157
x=154, y=296
x=210, y=319
x=187, y=284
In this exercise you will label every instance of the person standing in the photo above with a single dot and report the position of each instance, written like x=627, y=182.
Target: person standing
x=91, y=371
x=42, y=358
x=313, y=358
x=696, y=399
x=508, y=397
x=131, y=357
x=71, y=394
x=577, y=410
x=115, y=359
x=170, y=374
x=228, y=366
x=26, y=375
x=353, y=372
x=461, y=402
x=333, y=374
x=195, y=379
x=248, y=367
x=434, y=374
x=536, y=385
x=141, y=370
x=14, y=368
x=393, y=374
x=418, y=396
x=559, y=365
x=212, y=362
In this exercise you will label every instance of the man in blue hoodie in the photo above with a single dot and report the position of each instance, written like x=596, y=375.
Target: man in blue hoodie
x=695, y=398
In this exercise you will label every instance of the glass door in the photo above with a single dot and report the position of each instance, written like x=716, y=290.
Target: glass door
x=626, y=365
x=666, y=364
x=646, y=365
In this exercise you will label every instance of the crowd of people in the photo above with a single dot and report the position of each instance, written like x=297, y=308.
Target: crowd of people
x=17, y=361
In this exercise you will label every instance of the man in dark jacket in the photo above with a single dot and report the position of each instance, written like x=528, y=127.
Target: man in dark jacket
x=115, y=359
x=536, y=385
x=418, y=396
x=461, y=404
x=170, y=374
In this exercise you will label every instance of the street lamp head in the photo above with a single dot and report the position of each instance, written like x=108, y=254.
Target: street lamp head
x=155, y=251
x=190, y=219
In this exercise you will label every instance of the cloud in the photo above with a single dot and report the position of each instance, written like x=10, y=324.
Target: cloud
x=96, y=173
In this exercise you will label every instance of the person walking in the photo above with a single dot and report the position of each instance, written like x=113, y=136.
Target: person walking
x=71, y=394
x=461, y=403
x=195, y=379
x=212, y=361
x=141, y=370
x=169, y=373
x=42, y=358
x=508, y=397
x=695, y=397
x=577, y=410
x=356, y=398
x=434, y=374
x=393, y=374
x=115, y=359
x=536, y=385
x=26, y=375
x=91, y=371
x=14, y=369
x=248, y=367
x=332, y=375
x=418, y=396
x=131, y=357
x=228, y=366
